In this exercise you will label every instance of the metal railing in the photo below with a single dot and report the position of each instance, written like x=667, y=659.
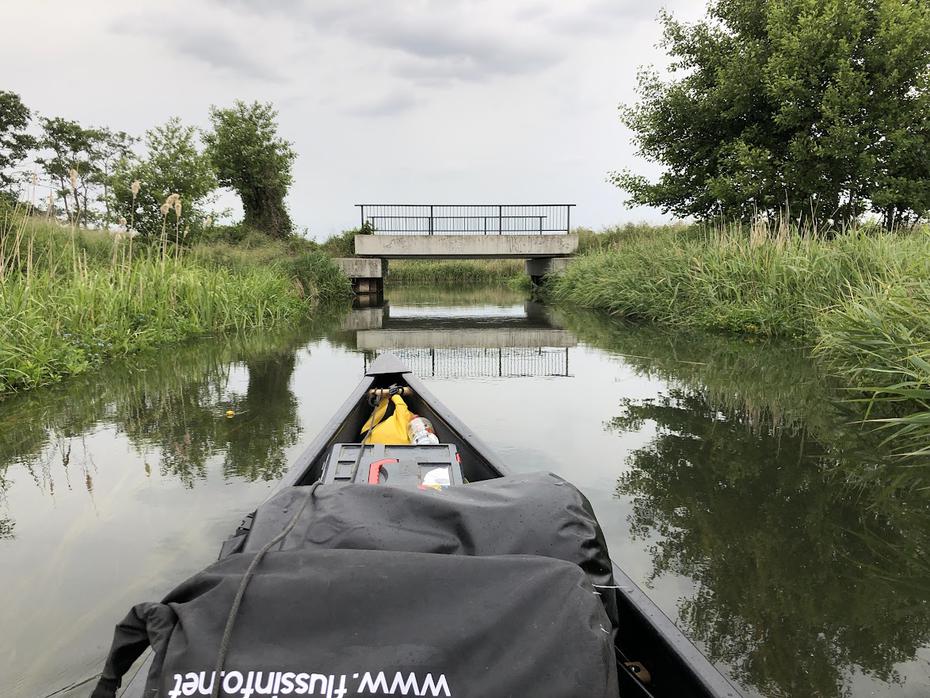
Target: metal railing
x=460, y=219
x=467, y=362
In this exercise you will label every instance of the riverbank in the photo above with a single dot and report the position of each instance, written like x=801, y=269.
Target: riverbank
x=71, y=299
x=860, y=301
x=465, y=271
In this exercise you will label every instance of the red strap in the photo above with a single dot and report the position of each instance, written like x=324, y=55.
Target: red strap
x=374, y=470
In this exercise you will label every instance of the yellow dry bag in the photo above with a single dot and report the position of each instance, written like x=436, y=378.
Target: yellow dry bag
x=393, y=429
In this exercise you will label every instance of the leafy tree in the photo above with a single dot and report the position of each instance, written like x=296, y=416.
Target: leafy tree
x=820, y=108
x=14, y=141
x=108, y=150
x=250, y=157
x=71, y=164
x=173, y=165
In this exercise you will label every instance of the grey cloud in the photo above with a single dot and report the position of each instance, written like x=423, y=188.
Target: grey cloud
x=494, y=54
x=531, y=13
x=602, y=17
x=449, y=52
x=207, y=45
x=387, y=105
x=449, y=43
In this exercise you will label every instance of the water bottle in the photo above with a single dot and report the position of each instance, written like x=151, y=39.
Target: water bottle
x=421, y=432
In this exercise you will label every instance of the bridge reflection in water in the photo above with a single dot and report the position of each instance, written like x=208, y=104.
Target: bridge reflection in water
x=475, y=362
x=499, y=342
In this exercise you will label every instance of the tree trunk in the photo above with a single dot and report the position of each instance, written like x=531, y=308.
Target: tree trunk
x=64, y=196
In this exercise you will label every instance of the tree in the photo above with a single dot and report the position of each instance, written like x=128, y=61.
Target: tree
x=109, y=149
x=250, y=157
x=173, y=165
x=72, y=163
x=820, y=108
x=14, y=141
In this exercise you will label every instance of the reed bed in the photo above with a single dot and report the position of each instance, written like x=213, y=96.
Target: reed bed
x=860, y=300
x=71, y=299
x=466, y=271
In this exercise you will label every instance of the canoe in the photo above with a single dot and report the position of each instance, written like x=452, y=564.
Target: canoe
x=654, y=658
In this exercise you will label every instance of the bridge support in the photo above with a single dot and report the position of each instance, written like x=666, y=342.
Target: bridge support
x=367, y=274
x=537, y=268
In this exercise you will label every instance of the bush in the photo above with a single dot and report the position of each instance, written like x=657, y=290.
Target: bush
x=316, y=276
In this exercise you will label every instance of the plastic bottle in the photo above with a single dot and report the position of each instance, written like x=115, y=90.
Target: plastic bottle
x=421, y=432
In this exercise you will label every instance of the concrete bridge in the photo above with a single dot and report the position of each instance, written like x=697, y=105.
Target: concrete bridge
x=537, y=233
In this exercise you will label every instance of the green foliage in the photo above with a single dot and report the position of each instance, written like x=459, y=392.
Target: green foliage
x=310, y=270
x=879, y=339
x=70, y=301
x=315, y=276
x=615, y=236
x=341, y=244
x=767, y=285
x=250, y=157
x=71, y=164
x=81, y=161
x=173, y=164
x=456, y=295
x=109, y=148
x=14, y=141
x=811, y=109
x=465, y=271
x=863, y=299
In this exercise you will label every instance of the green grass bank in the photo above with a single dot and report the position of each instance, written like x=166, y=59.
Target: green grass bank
x=859, y=300
x=70, y=299
x=465, y=271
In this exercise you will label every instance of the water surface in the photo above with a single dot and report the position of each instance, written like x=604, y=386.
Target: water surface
x=731, y=482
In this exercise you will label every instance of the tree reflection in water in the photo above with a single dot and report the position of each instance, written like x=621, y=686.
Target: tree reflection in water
x=807, y=548
x=172, y=405
x=189, y=426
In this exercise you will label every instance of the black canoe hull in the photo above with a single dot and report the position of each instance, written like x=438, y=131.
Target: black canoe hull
x=646, y=634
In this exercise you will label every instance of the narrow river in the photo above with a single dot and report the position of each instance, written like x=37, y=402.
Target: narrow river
x=729, y=478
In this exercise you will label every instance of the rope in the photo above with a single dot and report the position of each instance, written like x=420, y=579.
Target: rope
x=71, y=687
x=246, y=578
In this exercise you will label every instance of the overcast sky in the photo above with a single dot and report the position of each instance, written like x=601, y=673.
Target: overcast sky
x=408, y=101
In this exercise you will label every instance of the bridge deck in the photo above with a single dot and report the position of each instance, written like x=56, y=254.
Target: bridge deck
x=465, y=246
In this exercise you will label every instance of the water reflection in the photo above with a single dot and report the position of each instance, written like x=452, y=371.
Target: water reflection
x=230, y=399
x=807, y=550
x=501, y=340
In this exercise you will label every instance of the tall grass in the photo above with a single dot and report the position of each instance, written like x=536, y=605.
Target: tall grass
x=879, y=339
x=465, y=271
x=861, y=300
x=70, y=299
